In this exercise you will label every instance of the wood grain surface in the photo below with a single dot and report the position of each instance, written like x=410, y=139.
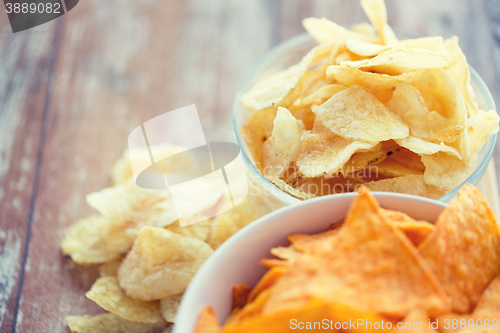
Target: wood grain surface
x=72, y=90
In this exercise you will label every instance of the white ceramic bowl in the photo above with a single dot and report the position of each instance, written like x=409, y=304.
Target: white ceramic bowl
x=237, y=260
x=290, y=52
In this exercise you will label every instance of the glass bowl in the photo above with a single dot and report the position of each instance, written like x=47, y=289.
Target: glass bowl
x=291, y=52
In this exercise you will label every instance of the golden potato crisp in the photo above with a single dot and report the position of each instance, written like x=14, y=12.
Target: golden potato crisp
x=443, y=171
x=325, y=31
x=324, y=152
x=398, y=60
x=356, y=114
x=290, y=189
x=207, y=322
x=377, y=14
x=434, y=44
x=106, y=323
x=412, y=184
x=110, y=268
x=463, y=248
x=169, y=307
x=408, y=103
x=129, y=204
x=107, y=293
x=480, y=127
x=366, y=49
x=161, y=264
x=278, y=89
x=421, y=146
x=322, y=94
x=227, y=223
x=369, y=267
x=459, y=71
x=95, y=239
x=283, y=147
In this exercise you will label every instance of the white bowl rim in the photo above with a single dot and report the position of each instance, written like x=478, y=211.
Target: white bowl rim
x=185, y=314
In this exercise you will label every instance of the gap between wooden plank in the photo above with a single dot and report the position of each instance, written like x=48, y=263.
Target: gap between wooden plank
x=39, y=156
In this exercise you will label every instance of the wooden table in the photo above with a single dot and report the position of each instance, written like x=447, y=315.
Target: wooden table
x=72, y=90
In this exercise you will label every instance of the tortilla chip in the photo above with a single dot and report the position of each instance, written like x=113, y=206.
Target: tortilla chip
x=467, y=230
x=270, y=278
x=240, y=296
x=207, y=322
x=416, y=231
x=417, y=321
x=395, y=282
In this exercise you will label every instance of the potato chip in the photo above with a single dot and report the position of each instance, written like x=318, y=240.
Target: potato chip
x=412, y=184
x=459, y=71
x=306, y=116
x=169, y=307
x=207, y=322
x=279, y=89
x=365, y=28
x=226, y=224
x=356, y=114
x=325, y=31
x=161, y=264
x=200, y=230
x=366, y=49
x=467, y=230
x=256, y=132
x=396, y=61
x=95, y=240
x=110, y=268
x=128, y=203
x=365, y=158
x=240, y=296
x=322, y=94
x=408, y=103
x=377, y=14
x=421, y=146
x=480, y=127
x=324, y=152
x=283, y=147
x=382, y=273
x=434, y=44
x=438, y=83
x=444, y=172
x=401, y=162
x=416, y=231
x=107, y=294
x=106, y=323
x=289, y=189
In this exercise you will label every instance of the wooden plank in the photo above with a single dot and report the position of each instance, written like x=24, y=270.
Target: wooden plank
x=120, y=64
x=25, y=60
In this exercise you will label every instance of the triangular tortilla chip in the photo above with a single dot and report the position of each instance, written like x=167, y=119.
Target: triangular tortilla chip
x=463, y=249
x=207, y=322
x=370, y=267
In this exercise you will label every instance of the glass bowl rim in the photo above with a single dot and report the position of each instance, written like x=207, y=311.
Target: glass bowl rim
x=305, y=37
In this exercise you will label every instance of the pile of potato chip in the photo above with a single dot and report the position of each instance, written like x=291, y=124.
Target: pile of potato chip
x=363, y=107
x=380, y=265
x=146, y=258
